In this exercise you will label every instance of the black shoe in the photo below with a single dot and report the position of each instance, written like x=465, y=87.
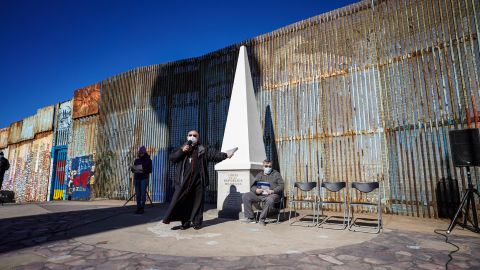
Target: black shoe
x=197, y=227
x=185, y=226
x=138, y=211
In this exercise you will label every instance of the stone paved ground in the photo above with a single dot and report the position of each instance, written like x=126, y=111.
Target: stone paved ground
x=49, y=242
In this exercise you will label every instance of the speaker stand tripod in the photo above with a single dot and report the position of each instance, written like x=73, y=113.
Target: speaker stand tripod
x=468, y=201
x=134, y=194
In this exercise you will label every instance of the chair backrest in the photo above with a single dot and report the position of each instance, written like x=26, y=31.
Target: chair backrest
x=305, y=186
x=334, y=186
x=365, y=187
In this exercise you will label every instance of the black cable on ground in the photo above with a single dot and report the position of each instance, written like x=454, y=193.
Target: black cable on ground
x=437, y=231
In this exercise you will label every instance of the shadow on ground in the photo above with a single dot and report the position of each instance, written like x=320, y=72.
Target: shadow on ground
x=62, y=223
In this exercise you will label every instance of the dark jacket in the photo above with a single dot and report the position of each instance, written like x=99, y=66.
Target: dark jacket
x=205, y=154
x=146, y=163
x=275, y=180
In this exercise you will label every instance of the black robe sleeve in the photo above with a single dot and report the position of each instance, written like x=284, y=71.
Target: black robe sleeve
x=177, y=155
x=214, y=155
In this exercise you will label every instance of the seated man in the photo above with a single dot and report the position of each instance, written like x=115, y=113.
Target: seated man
x=268, y=188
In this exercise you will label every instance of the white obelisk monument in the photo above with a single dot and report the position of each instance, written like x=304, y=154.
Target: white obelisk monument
x=243, y=130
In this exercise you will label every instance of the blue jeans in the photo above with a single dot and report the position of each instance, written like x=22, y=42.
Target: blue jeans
x=141, y=191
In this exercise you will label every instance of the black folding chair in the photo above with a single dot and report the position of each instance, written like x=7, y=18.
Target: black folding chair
x=306, y=193
x=329, y=187
x=365, y=188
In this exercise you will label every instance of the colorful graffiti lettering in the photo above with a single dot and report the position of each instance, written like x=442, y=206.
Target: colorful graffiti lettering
x=58, y=194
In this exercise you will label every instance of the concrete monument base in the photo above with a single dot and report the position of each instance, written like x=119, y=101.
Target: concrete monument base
x=232, y=184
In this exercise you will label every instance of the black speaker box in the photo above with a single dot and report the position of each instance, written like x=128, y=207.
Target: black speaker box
x=465, y=146
x=7, y=196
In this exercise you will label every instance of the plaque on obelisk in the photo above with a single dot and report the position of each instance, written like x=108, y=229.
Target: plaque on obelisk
x=242, y=130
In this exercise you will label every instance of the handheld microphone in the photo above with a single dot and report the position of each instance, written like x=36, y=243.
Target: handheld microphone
x=189, y=143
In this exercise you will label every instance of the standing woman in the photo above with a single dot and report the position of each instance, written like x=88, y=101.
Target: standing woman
x=142, y=167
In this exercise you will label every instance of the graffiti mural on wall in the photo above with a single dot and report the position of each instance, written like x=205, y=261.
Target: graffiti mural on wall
x=59, y=184
x=81, y=177
x=30, y=169
x=64, y=124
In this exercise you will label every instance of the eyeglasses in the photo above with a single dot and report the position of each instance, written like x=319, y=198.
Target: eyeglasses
x=192, y=135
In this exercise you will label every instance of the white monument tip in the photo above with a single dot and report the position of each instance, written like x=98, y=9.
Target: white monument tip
x=243, y=129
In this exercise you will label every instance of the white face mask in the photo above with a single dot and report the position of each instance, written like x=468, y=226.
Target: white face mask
x=193, y=139
x=267, y=170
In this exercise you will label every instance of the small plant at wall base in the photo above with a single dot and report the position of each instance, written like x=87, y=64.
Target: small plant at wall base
x=102, y=172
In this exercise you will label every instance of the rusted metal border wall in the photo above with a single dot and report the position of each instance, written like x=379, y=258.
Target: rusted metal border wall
x=369, y=93
x=29, y=147
x=156, y=106
x=363, y=93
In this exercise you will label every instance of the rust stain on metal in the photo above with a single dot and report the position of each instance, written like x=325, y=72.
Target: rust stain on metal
x=14, y=132
x=85, y=101
x=4, y=137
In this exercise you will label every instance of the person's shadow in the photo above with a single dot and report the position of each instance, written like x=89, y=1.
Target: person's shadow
x=232, y=205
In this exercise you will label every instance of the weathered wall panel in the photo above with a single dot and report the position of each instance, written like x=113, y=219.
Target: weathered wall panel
x=44, y=119
x=29, y=170
x=84, y=137
x=14, y=132
x=4, y=137
x=63, y=124
x=28, y=128
x=85, y=101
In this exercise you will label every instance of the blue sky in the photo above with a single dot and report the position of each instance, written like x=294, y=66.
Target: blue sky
x=50, y=48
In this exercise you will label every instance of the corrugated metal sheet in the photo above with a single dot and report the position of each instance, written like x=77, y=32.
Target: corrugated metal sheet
x=28, y=128
x=81, y=156
x=44, y=121
x=14, y=132
x=63, y=124
x=4, y=137
x=29, y=170
x=85, y=101
x=363, y=93
x=84, y=137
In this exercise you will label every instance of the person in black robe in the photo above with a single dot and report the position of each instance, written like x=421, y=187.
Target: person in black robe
x=190, y=181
